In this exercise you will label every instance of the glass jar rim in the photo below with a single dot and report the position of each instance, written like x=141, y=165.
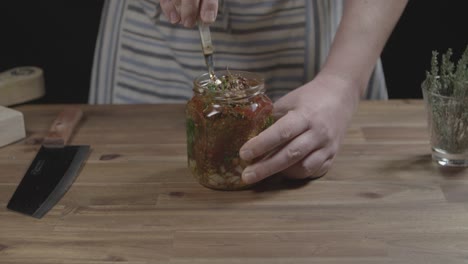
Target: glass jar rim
x=427, y=91
x=201, y=82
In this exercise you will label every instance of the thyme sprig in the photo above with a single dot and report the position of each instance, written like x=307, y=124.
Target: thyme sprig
x=445, y=78
x=446, y=94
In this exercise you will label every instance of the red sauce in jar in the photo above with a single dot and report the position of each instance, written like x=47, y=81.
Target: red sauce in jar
x=218, y=124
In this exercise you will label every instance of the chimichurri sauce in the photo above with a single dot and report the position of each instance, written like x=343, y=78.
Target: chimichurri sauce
x=216, y=130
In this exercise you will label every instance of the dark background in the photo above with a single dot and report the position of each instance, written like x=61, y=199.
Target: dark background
x=425, y=25
x=59, y=37
x=55, y=35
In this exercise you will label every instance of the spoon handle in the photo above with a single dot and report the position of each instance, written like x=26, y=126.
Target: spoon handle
x=207, y=46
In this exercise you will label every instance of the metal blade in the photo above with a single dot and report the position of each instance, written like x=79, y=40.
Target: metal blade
x=48, y=178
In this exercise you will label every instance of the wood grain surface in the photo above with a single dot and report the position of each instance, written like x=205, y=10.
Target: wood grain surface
x=384, y=200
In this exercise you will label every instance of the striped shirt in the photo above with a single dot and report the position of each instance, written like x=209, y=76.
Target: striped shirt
x=142, y=58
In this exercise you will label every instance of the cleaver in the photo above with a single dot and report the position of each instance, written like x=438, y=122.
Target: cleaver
x=53, y=170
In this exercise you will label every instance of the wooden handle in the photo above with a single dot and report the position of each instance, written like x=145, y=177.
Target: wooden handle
x=62, y=128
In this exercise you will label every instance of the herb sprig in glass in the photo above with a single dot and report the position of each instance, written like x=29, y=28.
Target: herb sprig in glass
x=446, y=93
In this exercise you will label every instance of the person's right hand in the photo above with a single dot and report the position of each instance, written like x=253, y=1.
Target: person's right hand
x=187, y=12
x=311, y=123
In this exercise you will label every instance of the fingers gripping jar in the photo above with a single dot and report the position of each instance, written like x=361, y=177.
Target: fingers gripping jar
x=220, y=119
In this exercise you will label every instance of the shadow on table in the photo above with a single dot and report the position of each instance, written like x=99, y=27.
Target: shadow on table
x=278, y=182
x=425, y=162
x=453, y=173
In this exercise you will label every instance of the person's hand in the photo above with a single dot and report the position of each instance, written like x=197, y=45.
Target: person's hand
x=187, y=12
x=303, y=142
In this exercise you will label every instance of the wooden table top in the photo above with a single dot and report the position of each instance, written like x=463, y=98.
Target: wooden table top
x=384, y=200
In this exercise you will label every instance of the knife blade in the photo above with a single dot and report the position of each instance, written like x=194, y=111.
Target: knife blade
x=53, y=170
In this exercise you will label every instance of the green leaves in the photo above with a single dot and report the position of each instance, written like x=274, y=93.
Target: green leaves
x=434, y=64
x=446, y=93
x=269, y=121
x=229, y=82
x=190, y=127
x=445, y=78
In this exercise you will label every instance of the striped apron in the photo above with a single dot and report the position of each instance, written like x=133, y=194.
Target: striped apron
x=142, y=58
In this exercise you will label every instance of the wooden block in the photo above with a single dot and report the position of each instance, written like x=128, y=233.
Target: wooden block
x=11, y=126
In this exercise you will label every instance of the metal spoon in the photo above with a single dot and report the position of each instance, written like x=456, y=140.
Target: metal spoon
x=207, y=47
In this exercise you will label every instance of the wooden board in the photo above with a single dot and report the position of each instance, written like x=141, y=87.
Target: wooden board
x=384, y=200
x=11, y=126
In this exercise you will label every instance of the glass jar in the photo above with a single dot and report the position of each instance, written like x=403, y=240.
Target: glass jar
x=219, y=123
x=447, y=120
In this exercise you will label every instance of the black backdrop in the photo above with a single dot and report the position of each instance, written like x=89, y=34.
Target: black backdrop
x=55, y=35
x=425, y=25
x=59, y=36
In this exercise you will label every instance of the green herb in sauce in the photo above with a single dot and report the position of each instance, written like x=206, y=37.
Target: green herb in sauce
x=269, y=121
x=190, y=136
x=217, y=129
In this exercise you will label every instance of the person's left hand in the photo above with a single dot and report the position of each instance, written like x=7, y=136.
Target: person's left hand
x=304, y=141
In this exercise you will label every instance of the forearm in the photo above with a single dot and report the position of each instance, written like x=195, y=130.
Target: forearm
x=361, y=36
